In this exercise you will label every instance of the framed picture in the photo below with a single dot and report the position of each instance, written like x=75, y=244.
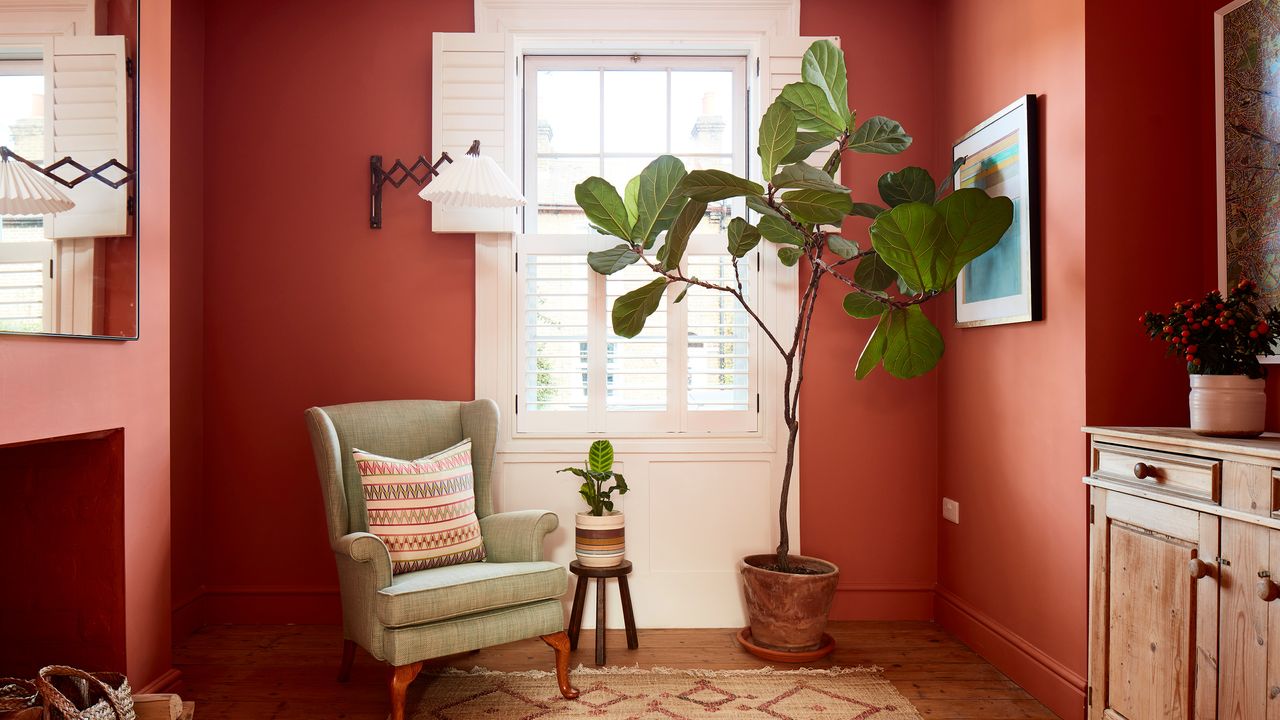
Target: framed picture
x=1001, y=156
x=1248, y=124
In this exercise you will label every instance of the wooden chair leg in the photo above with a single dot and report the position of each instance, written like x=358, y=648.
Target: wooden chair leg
x=560, y=643
x=628, y=615
x=401, y=676
x=348, y=657
x=575, y=615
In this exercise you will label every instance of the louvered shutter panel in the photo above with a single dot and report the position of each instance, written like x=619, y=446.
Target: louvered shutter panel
x=472, y=101
x=785, y=55
x=90, y=123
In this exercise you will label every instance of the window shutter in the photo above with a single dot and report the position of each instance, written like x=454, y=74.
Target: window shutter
x=785, y=55
x=90, y=123
x=472, y=100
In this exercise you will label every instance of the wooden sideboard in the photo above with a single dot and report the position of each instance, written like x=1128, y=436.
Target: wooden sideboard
x=1184, y=557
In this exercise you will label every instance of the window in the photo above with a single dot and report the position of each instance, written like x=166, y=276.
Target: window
x=693, y=367
x=25, y=283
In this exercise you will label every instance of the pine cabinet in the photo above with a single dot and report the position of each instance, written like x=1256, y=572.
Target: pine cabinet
x=1184, y=557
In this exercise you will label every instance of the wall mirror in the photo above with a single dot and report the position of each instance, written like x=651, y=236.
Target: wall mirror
x=69, y=171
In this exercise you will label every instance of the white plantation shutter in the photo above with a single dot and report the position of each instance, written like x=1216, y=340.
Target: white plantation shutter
x=781, y=68
x=89, y=109
x=473, y=100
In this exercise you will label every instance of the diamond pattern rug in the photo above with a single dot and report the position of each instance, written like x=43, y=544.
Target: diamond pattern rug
x=665, y=694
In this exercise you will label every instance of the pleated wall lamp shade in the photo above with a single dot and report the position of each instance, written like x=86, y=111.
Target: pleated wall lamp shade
x=25, y=191
x=472, y=181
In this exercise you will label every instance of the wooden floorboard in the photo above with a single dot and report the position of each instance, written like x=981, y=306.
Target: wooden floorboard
x=286, y=672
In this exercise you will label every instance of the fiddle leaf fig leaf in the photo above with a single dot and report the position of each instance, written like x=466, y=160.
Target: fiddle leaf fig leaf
x=603, y=206
x=879, y=135
x=743, y=237
x=600, y=456
x=873, y=351
x=813, y=110
x=789, y=255
x=866, y=210
x=975, y=222
x=683, y=292
x=817, y=207
x=842, y=247
x=657, y=198
x=823, y=66
x=712, y=185
x=632, y=309
x=608, y=262
x=807, y=143
x=874, y=273
x=757, y=203
x=777, y=136
x=861, y=305
x=911, y=184
x=777, y=230
x=807, y=177
x=630, y=196
x=913, y=346
x=907, y=239
x=678, y=236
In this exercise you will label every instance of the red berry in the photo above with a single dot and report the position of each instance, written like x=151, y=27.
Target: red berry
x=1253, y=334
x=1190, y=358
x=1186, y=333
x=1192, y=348
x=1220, y=306
x=1263, y=328
x=1167, y=329
x=1232, y=322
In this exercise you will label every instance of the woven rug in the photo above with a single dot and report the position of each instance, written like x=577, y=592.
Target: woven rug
x=665, y=694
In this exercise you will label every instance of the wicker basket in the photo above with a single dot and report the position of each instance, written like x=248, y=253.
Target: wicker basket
x=72, y=694
x=17, y=694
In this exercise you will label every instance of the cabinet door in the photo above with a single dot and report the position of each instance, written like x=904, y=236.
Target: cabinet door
x=1153, y=610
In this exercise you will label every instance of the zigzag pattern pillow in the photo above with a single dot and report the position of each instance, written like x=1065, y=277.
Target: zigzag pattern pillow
x=424, y=509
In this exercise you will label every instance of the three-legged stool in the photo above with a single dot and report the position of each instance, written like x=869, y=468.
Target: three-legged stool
x=585, y=574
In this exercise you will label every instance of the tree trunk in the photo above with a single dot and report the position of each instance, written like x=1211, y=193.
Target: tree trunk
x=784, y=536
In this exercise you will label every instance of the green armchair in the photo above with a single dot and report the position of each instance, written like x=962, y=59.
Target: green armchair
x=408, y=618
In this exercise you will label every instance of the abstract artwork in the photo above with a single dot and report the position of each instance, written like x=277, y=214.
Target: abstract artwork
x=1001, y=156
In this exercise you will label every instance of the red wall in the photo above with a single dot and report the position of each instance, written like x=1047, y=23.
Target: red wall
x=51, y=387
x=1012, y=575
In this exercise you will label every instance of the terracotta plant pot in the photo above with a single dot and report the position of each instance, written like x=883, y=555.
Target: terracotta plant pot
x=601, y=540
x=788, y=611
x=1228, y=405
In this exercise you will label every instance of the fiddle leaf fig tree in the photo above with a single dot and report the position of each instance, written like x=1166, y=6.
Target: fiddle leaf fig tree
x=920, y=237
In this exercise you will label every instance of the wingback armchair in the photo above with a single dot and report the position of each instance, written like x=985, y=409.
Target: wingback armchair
x=411, y=617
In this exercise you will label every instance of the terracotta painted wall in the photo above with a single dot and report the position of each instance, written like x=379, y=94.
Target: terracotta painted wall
x=1012, y=575
x=51, y=387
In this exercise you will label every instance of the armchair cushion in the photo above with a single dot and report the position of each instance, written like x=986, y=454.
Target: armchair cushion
x=447, y=592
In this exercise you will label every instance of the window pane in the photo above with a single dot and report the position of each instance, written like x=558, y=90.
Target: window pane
x=568, y=111
x=22, y=130
x=558, y=211
x=719, y=336
x=21, y=296
x=555, y=335
x=636, y=376
x=701, y=112
x=635, y=111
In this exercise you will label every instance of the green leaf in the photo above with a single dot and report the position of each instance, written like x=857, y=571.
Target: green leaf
x=657, y=199
x=632, y=309
x=842, y=247
x=816, y=206
x=757, y=203
x=879, y=135
x=712, y=185
x=913, y=345
x=608, y=262
x=600, y=456
x=911, y=184
x=812, y=109
x=807, y=143
x=823, y=66
x=873, y=273
x=608, y=504
x=677, y=239
x=789, y=255
x=777, y=136
x=604, y=208
x=807, y=177
x=867, y=210
x=630, y=196
x=778, y=230
x=975, y=223
x=860, y=305
x=907, y=239
x=873, y=351
x=620, y=483
x=683, y=292
x=743, y=237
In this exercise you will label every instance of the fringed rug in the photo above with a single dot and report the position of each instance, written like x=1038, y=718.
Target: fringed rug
x=665, y=694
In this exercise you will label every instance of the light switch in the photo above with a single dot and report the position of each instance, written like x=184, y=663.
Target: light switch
x=951, y=510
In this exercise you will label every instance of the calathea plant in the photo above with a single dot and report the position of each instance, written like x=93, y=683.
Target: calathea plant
x=598, y=471
x=919, y=240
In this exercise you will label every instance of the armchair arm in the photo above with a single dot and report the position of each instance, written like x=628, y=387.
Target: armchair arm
x=516, y=536
x=364, y=565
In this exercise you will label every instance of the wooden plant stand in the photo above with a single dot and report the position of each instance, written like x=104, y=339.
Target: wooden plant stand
x=585, y=574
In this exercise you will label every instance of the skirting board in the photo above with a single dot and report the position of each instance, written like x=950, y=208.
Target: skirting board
x=1055, y=685
x=169, y=681
x=883, y=601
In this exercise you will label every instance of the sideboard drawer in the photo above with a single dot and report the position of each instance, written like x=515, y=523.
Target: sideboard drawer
x=1200, y=478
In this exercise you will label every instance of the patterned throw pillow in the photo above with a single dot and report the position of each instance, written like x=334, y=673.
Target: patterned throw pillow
x=424, y=509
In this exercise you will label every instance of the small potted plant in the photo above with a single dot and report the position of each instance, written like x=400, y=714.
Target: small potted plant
x=1221, y=338
x=601, y=539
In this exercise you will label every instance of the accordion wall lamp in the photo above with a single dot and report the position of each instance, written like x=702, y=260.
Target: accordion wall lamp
x=472, y=181
x=26, y=188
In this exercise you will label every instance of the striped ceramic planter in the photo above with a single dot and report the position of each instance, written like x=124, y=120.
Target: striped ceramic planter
x=601, y=540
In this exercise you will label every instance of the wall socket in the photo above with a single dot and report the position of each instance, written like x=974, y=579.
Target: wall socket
x=951, y=510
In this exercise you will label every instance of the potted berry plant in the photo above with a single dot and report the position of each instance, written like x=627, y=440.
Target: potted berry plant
x=601, y=530
x=1221, y=338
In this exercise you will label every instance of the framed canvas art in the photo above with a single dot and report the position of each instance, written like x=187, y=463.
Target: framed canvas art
x=1247, y=34
x=1001, y=156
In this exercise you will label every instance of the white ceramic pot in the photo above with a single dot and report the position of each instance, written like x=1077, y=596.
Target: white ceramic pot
x=1228, y=405
x=601, y=541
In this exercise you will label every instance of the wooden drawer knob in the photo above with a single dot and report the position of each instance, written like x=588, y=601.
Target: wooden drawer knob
x=1268, y=590
x=1142, y=471
x=1201, y=569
